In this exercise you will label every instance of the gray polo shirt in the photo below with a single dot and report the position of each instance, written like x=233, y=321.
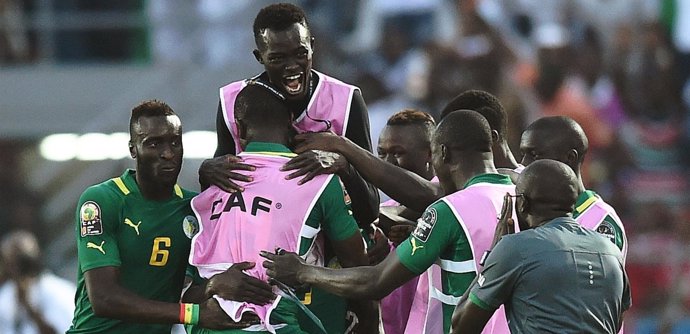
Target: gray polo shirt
x=556, y=278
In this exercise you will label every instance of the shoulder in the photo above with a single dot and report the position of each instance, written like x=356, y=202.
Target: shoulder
x=332, y=187
x=513, y=245
x=188, y=194
x=106, y=190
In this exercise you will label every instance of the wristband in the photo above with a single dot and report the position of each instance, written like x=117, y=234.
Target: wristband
x=195, y=314
x=189, y=314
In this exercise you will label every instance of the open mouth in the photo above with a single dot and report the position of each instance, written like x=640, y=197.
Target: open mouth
x=293, y=83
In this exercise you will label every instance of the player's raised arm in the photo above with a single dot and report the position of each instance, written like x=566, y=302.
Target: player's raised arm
x=404, y=186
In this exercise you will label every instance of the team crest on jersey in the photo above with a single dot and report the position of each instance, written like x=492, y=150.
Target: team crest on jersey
x=190, y=226
x=425, y=225
x=606, y=229
x=90, y=219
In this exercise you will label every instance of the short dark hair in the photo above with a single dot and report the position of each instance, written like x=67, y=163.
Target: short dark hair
x=411, y=116
x=563, y=133
x=416, y=117
x=278, y=16
x=148, y=108
x=464, y=130
x=259, y=107
x=485, y=104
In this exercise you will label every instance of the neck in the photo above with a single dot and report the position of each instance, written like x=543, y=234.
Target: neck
x=471, y=166
x=152, y=190
x=541, y=219
x=503, y=157
x=276, y=137
x=580, y=185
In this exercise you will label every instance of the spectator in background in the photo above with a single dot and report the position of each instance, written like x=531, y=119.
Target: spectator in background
x=654, y=132
x=14, y=42
x=420, y=20
x=32, y=299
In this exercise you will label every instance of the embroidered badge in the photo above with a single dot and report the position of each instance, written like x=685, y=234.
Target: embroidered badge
x=90, y=219
x=190, y=226
x=425, y=225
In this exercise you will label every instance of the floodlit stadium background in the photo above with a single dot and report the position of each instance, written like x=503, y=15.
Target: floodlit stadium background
x=71, y=70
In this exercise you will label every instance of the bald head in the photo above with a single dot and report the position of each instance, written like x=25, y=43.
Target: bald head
x=464, y=130
x=558, y=138
x=550, y=190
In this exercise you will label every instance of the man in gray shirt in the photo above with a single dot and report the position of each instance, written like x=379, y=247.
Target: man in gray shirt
x=555, y=276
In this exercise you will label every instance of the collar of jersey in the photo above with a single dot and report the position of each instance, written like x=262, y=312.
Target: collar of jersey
x=585, y=200
x=128, y=184
x=264, y=148
x=489, y=178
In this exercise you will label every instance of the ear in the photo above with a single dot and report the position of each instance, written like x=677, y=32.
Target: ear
x=495, y=137
x=521, y=206
x=573, y=157
x=132, y=151
x=257, y=55
x=445, y=153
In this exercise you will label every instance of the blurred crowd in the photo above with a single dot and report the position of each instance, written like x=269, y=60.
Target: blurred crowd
x=618, y=67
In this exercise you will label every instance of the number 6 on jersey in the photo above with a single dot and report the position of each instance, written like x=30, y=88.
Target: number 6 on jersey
x=160, y=252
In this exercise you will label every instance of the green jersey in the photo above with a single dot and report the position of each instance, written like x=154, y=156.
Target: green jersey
x=116, y=226
x=330, y=214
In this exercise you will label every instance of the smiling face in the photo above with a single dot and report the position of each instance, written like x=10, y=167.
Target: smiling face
x=156, y=144
x=287, y=57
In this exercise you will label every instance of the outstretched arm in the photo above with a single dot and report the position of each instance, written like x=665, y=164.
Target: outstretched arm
x=371, y=282
x=404, y=186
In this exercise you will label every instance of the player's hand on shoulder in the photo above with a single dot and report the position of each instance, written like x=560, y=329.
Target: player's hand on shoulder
x=315, y=162
x=234, y=284
x=219, y=171
x=284, y=267
x=323, y=141
x=212, y=316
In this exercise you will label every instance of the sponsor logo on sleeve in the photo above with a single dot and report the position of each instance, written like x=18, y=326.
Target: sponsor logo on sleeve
x=414, y=246
x=90, y=219
x=96, y=247
x=425, y=225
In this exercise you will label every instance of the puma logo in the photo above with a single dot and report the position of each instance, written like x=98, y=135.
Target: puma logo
x=135, y=227
x=94, y=246
x=415, y=247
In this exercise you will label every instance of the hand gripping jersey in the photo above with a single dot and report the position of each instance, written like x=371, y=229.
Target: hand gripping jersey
x=454, y=233
x=330, y=103
x=271, y=212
